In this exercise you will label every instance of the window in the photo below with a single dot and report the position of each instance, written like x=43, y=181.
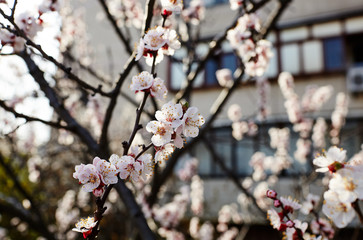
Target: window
x=290, y=58
x=333, y=53
x=210, y=72
x=313, y=56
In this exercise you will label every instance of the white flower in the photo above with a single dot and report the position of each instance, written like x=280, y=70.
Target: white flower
x=85, y=226
x=147, y=165
x=297, y=225
x=114, y=159
x=140, y=49
x=177, y=138
x=322, y=226
x=170, y=114
x=195, y=12
x=247, y=50
x=328, y=161
x=239, y=129
x=257, y=65
x=87, y=175
x=172, y=5
x=149, y=59
x=224, y=77
x=311, y=202
x=128, y=167
x=172, y=42
x=274, y=218
x=286, y=83
x=235, y=112
x=7, y=38
x=348, y=183
x=192, y=121
x=27, y=22
x=162, y=153
x=142, y=81
x=242, y=31
x=289, y=202
x=340, y=213
x=106, y=170
x=158, y=89
x=154, y=38
x=235, y=4
x=162, y=132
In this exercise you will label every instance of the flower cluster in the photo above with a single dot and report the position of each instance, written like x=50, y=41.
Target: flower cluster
x=313, y=100
x=321, y=229
x=170, y=214
x=345, y=186
x=293, y=229
x=195, y=13
x=173, y=122
x=157, y=42
x=145, y=82
x=338, y=116
x=240, y=127
x=96, y=176
x=254, y=54
x=127, y=12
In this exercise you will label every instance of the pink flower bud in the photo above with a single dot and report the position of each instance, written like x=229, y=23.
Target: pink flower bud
x=277, y=203
x=271, y=194
x=98, y=192
x=290, y=224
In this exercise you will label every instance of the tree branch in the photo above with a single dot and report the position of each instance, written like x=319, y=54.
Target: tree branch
x=14, y=208
x=148, y=16
x=231, y=174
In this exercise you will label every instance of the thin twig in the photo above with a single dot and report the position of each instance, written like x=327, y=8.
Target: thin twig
x=31, y=119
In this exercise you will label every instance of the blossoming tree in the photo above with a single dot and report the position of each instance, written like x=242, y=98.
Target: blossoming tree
x=135, y=166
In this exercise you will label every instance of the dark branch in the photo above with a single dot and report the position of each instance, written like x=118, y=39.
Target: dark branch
x=58, y=106
x=148, y=16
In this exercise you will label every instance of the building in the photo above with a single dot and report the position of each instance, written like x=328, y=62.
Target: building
x=319, y=42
